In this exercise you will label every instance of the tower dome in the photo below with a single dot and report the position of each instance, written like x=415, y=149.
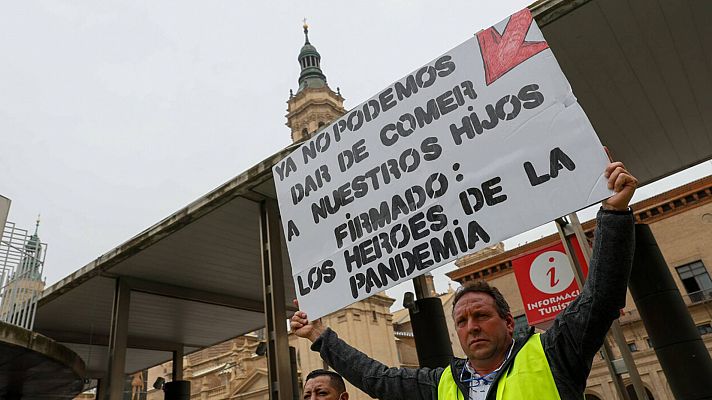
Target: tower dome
x=309, y=59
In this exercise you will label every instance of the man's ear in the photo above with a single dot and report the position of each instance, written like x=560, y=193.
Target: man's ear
x=510, y=324
x=345, y=396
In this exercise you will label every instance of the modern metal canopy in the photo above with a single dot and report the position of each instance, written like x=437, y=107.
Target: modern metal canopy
x=641, y=69
x=195, y=280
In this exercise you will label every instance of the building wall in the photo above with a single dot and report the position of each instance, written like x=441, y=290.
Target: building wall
x=685, y=237
x=508, y=286
x=229, y=370
x=17, y=293
x=407, y=353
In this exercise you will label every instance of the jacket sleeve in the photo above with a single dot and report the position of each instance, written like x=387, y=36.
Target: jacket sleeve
x=578, y=332
x=374, y=378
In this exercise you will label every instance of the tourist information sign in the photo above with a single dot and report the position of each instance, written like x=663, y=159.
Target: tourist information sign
x=546, y=282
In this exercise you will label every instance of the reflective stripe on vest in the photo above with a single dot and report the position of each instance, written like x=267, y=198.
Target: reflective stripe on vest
x=529, y=377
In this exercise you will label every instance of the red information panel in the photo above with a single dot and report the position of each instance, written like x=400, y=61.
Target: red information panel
x=546, y=281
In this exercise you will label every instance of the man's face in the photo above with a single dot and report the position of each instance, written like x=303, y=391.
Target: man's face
x=484, y=336
x=319, y=387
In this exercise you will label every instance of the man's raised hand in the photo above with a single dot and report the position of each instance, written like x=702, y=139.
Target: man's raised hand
x=300, y=325
x=623, y=183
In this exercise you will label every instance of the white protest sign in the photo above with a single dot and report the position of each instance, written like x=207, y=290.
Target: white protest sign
x=483, y=143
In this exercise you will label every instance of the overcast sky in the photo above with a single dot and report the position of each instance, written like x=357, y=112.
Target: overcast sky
x=113, y=115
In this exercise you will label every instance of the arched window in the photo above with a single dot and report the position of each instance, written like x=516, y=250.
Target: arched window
x=631, y=393
x=321, y=123
x=305, y=132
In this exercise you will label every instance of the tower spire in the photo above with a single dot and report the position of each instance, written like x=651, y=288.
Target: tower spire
x=309, y=59
x=37, y=224
x=306, y=31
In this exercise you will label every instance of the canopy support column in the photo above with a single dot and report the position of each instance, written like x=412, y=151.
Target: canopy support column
x=177, y=373
x=117, y=341
x=280, y=372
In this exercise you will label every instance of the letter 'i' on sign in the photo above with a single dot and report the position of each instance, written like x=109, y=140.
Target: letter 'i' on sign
x=546, y=282
x=550, y=272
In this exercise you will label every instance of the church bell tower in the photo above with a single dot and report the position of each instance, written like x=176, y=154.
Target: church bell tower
x=315, y=104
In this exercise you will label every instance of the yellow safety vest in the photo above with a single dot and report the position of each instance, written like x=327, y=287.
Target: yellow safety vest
x=529, y=377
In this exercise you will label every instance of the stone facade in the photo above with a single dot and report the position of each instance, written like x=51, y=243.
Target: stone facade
x=229, y=370
x=311, y=109
x=18, y=293
x=681, y=221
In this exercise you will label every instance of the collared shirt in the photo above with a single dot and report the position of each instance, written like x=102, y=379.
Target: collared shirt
x=480, y=384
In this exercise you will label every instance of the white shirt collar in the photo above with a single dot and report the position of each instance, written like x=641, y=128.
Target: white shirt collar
x=480, y=385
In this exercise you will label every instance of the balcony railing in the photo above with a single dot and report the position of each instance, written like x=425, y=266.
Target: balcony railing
x=699, y=296
x=632, y=315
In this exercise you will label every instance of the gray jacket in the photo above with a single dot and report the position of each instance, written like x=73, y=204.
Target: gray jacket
x=569, y=344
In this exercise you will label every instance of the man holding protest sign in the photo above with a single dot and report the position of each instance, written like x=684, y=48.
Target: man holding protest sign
x=552, y=365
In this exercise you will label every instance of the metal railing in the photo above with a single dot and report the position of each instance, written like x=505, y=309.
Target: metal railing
x=690, y=299
x=699, y=296
x=21, y=282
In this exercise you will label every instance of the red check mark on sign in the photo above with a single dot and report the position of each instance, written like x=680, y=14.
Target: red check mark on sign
x=501, y=53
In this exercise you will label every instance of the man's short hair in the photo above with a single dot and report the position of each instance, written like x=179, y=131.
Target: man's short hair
x=483, y=287
x=337, y=382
